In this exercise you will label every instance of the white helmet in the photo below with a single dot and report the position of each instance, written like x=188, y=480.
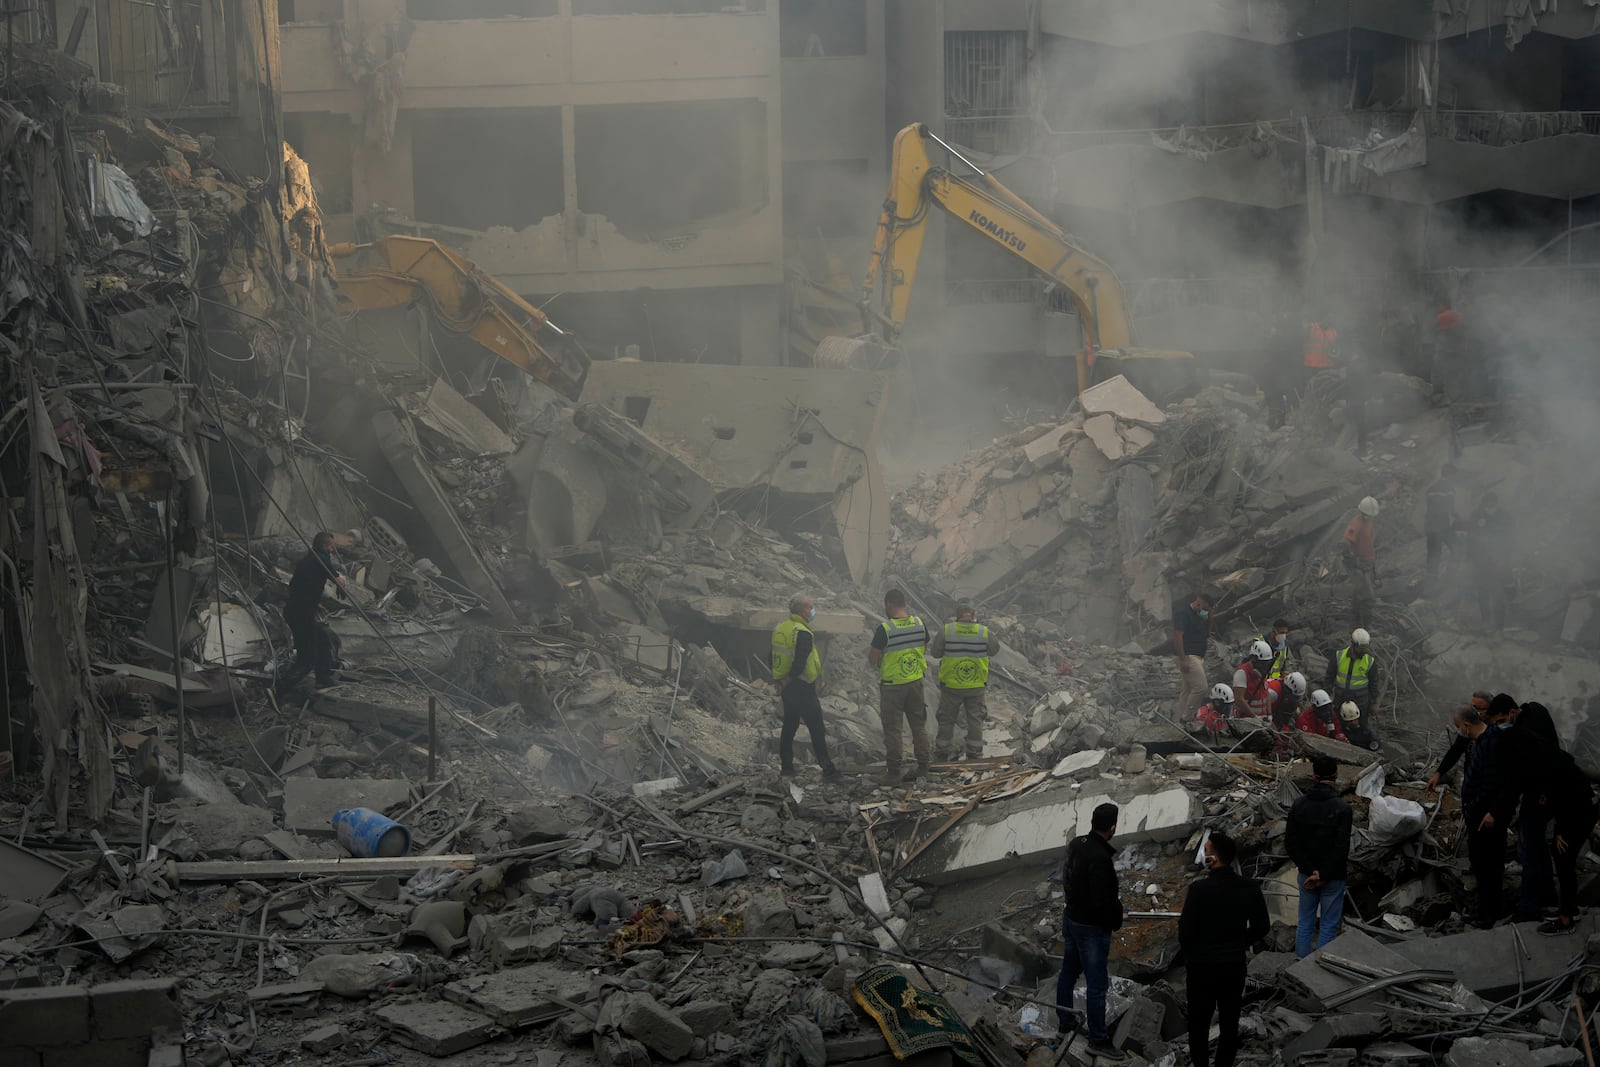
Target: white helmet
x=1368, y=507
x=1297, y=684
x=1360, y=637
x=1260, y=650
x=1223, y=692
x=1349, y=712
x=1321, y=698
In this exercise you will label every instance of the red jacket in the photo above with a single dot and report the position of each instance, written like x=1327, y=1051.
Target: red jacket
x=1285, y=705
x=1212, y=719
x=1312, y=723
x=1255, y=696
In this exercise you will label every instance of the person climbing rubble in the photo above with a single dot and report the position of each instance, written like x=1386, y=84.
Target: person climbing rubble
x=794, y=644
x=314, y=642
x=1317, y=838
x=1250, y=681
x=963, y=649
x=1214, y=714
x=1361, y=560
x=1353, y=677
x=1491, y=533
x=1191, y=638
x=1321, y=718
x=1357, y=727
x=898, y=651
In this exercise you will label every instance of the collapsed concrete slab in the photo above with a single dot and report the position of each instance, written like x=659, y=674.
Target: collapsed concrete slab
x=1118, y=396
x=807, y=438
x=1039, y=826
x=1481, y=959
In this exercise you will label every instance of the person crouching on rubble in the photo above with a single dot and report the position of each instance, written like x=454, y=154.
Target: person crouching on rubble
x=1223, y=914
x=1321, y=719
x=313, y=640
x=1317, y=836
x=1357, y=727
x=1214, y=714
x=1488, y=798
x=1250, y=680
x=1287, y=695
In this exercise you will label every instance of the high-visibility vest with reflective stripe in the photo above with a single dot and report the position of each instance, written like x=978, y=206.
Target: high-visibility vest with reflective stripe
x=966, y=656
x=1317, y=342
x=903, y=659
x=784, y=637
x=1352, y=673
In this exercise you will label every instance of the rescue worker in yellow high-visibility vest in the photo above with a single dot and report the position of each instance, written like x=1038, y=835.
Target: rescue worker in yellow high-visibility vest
x=963, y=649
x=898, y=652
x=796, y=666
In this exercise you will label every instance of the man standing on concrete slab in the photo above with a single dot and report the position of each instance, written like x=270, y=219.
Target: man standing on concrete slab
x=796, y=666
x=313, y=641
x=1488, y=798
x=1361, y=560
x=963, y=649
x=1092, y=914
x=1223, y=914
x=1317, y=838
x=1353, y=676
x=898, y=651
x=1191, y=637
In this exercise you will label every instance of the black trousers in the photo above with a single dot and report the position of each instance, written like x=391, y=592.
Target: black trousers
x=1215, y=987
x=313, y=651
x=1566, y=864
x=1487, y=851
x=800, y=704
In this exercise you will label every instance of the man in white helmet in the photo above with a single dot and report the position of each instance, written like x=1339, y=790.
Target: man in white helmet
x=1357, y=728
x=1361, y=560
x=1214, y=714
x=1353, y=677
x=1320, y=718
x=1250, y=680
x=1288, y=694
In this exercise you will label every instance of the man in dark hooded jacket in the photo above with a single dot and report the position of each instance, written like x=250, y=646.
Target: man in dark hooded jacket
x=313, y=642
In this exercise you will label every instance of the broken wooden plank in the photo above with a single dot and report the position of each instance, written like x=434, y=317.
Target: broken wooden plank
x=726, y=790
x=937, y=833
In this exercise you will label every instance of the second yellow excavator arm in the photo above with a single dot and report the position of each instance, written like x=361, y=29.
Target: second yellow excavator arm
x=917, y=184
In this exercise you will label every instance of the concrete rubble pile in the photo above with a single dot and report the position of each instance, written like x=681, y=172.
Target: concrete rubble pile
x=538, y=814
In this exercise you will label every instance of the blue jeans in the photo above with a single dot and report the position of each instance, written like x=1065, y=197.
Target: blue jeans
x=1087, y=952
x=1326, y=903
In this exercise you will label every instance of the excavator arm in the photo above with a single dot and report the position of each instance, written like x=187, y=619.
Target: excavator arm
x=466, y=300
x=917, y=185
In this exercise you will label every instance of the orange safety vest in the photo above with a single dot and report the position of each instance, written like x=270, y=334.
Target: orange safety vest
x=1317, y=343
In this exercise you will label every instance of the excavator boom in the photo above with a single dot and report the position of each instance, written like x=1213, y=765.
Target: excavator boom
x=466, y=300
x=917, y=184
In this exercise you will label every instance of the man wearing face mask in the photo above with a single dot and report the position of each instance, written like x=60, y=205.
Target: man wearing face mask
x=1277, y=639
x=796, y=666
x=1491, y=557
x=1191, y=636
x=313, y=642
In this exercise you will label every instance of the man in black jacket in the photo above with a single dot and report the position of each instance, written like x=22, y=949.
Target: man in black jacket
x=313, y=642
x=1093, y=912
x=1223, y=915
x=1318, y=840
x=1488, y=801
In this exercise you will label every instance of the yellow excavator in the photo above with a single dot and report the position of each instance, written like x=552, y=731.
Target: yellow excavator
x=464, y=299
x=917, y=184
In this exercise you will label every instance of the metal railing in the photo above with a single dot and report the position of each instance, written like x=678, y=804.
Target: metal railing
x=169, y=56
x=994, y=291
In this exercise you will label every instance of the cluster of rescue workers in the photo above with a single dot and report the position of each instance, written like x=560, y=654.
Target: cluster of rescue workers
x=1265, y=684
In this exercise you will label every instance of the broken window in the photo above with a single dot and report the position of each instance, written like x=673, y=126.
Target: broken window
x=435, y=10
x=667, y=7
x=985, y=73
x=818, y=28
x=652, y=169
x=478, y=169
x=827, y=198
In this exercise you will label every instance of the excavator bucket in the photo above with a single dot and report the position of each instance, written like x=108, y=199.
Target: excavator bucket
x=854, y=353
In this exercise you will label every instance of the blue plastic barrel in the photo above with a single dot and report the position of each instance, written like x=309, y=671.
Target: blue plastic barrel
x=367, y=833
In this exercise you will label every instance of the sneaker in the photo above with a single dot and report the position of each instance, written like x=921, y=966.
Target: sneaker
x=1554, y=928
x=1107, y=1051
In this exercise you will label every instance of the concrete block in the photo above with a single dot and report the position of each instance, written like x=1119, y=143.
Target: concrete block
x=1499, y=1052
x=1046, y=451
x=768, y=915
x=1102, y=430
x=1140, y=1026
x=873, y=892
x=44, y=1017
x=309, y=803
x=656, y=1027
x=1080, y=763
x=134, y=1008
x=519, y=996
x=323, y=1039
x=706, y=1017
x=1034, y=827
x=1000, y=943
x=436, y=1027
x=1478, y=957
x=1311, y=746
x=1120, y=397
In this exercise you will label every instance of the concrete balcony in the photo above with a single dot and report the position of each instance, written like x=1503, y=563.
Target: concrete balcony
x=833, y=108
